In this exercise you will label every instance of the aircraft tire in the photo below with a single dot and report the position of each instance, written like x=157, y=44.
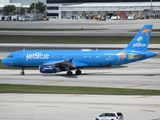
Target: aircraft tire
x=22, y=73
x=78, y=72
x=69, y=73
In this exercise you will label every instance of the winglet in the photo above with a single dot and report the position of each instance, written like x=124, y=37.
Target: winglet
x=141, y=40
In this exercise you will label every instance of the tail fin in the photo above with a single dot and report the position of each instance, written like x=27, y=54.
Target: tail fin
x=141, y=40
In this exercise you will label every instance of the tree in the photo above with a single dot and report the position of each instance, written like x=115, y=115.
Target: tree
x=40, y=7
x=9, y=8
x=22, y=11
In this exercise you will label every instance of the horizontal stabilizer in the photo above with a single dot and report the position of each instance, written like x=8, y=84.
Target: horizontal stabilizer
x=139, y=56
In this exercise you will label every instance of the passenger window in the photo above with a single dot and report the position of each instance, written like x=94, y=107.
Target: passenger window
x=111, y=114
x=119, y=114
x=107, y=114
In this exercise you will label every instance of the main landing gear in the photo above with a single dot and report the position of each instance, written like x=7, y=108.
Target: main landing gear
x=22, y=72
x=69, y=73
x=78, y=72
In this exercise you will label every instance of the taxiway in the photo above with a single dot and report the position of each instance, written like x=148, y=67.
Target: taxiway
x=140, y=75
x=76, y=107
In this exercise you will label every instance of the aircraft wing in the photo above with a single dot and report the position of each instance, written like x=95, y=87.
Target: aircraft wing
x=61, y=63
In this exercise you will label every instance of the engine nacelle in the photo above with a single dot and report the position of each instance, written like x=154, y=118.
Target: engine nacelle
x=49, y=69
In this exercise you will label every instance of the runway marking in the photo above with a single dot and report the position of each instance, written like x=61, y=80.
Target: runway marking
x=16, y=94
x=156, y=119
x=148, y=110
x=75, y=95
x=46, y=106
x=58, y=81
x=143, y=96
x=3, y=105
x=99, y=108
x=137, y=85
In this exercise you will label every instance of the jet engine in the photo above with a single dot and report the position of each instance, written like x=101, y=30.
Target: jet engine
x=49, y=69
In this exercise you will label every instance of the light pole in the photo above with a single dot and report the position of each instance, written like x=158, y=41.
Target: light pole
x=35, y=10
x=151, y=7
x=16, y=14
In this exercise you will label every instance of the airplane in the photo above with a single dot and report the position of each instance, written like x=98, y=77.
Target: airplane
x=53, y=61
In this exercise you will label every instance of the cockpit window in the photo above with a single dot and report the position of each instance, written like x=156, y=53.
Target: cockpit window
x=10, y=56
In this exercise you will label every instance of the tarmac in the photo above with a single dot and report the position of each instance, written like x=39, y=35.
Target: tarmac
x=85, y=27
x=76, y=107
x=140, y=75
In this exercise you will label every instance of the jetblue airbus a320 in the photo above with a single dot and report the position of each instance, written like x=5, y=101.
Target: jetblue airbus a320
x=53, y=61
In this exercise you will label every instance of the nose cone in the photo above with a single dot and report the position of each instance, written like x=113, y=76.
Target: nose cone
x=4, y=61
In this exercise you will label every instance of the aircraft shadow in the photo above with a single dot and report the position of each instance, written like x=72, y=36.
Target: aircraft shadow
x=60, y=75
x=109, y=74
x=85, y=74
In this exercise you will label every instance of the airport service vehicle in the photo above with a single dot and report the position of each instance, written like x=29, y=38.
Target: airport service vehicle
x=53, y=61
x=110, y=116
x=115, y=17
x=131, y=17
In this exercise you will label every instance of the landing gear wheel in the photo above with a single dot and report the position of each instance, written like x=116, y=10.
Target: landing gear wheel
x=22, y=73
x=69, y=73
x=78, y=72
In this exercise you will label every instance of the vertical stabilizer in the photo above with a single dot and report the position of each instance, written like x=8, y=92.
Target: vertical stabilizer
x=141, y=40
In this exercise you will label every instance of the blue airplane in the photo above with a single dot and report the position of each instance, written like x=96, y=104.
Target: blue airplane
x=53, y=61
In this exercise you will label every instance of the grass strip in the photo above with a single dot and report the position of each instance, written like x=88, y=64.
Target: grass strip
x=60, y=29
x=38, y=89
x=71, y=39
x=153, y=30
x=45, y=29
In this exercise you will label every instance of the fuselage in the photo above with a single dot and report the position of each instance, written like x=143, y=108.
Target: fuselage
x=80, y=58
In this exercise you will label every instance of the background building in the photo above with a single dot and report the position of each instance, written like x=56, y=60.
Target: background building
x=93, y=1
x=68, y=8
x=81, y=8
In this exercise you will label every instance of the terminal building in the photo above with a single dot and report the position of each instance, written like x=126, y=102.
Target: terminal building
x=68, y=8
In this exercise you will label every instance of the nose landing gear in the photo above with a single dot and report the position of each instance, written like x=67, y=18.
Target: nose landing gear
x=22, y=72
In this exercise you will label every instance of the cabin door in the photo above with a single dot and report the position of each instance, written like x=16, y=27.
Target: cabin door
x=19, y=57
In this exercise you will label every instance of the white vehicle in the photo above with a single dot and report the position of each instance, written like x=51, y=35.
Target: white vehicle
x=110, y=116
x=115, y=17
x=131, y=17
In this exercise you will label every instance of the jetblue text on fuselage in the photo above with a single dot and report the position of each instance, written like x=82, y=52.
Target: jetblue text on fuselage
x=37, y=56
